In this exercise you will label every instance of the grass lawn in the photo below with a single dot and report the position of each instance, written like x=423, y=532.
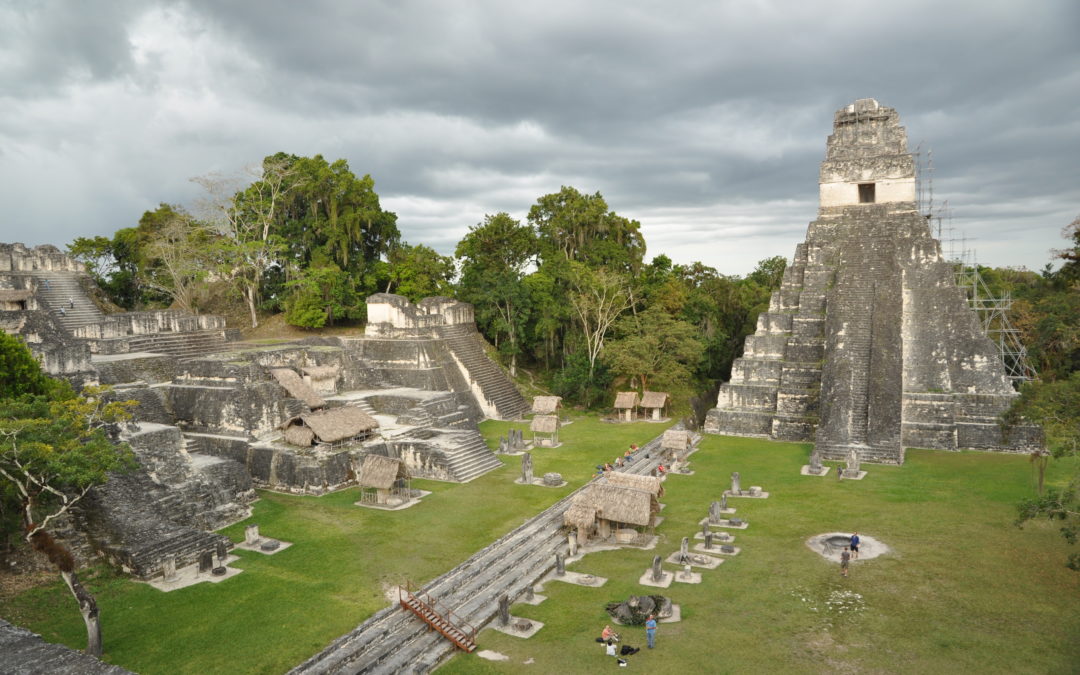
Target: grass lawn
x=963, y=590
x=288, y=606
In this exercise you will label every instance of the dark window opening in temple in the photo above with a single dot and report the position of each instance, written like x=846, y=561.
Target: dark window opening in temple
x=866, y=193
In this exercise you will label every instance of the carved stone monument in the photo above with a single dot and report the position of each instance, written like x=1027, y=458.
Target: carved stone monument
x=169, y=568
x=714, y=512
x=657, y=570
x=708, y=539
x=684, y=550
x=852, y=469
x=735, y=487
x=560, y=565
x=526, y=469
x=571, y=540
x=504, y=610
x=251, y=535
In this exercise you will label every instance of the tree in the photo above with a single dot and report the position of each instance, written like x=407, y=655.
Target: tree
x=320, y=294
x=494, y=255
x=53, y=450
x=598, y=299
x=580, y=228
x=20, y=372
x=247, y=219
x=655, y=349
x=418, y=272
x=176, y=260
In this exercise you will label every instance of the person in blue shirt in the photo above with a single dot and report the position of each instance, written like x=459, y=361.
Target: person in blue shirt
x=650, y=631
x=855, y=546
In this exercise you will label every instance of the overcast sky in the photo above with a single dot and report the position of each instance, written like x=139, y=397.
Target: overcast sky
x=704, y=120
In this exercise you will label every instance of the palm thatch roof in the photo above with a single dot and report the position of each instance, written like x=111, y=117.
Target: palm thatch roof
x=545, y=424
x=581, y=514
x=626, y=400
x=336, y=424
x=321, y=372
x=546, y=405
x=650, y=484
x=622, y=504
x=676, y=439
x=380, y=472
x=297, y=388
x=654, y=399
x=297, y=434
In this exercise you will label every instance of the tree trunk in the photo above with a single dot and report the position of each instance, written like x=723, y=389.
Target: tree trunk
x=249, y=295
x=89, y=609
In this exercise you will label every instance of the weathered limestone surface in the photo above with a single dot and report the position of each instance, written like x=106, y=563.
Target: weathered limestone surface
x=869, y=344
x=162, y=509
x=26, y=652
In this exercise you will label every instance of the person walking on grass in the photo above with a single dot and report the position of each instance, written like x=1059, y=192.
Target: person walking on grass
x=650, y=630
x=855, y=546
x=845, y=560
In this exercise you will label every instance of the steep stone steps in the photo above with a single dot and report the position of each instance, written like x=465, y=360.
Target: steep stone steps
x=493, y=382
x=58, y=290
x=471, y=457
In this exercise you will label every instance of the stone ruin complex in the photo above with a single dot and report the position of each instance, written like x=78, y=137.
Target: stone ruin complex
x=215, y=417
x=869, y=344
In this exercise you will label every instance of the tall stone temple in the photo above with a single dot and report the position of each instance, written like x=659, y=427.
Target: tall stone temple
x=869, y=344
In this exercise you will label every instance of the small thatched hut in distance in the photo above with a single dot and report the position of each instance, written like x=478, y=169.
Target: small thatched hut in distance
x=336, y=426
x=546, y=405
x=614, y=508
x=650, y=484
x=675, y=445
x=384, y=481
x=653, y=404
x=322, y=379
x=545, y=430
x=297, y=388
x=626, y=403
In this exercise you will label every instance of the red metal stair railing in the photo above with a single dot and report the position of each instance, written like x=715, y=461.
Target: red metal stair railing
x=437, y=616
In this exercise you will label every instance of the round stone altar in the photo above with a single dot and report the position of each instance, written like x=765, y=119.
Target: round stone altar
x=830, y=544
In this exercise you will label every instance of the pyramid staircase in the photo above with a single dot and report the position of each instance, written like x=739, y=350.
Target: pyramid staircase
x=493, y=382
x=470, y=456
x=57, y=290
x=442, y=619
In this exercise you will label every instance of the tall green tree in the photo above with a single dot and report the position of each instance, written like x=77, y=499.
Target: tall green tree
x=494, y=256
x=53, y=449
x=418, y=272
x=655, y=350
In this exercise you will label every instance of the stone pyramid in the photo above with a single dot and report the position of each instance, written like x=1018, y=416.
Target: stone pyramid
x=869, y=344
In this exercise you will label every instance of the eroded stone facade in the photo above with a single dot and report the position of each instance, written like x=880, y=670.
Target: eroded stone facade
x=869, y=344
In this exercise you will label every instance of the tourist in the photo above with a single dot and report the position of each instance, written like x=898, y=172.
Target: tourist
x=660, y=469
x=607, y=634
x=63, y=312
x=71, y=302
x=610, y=650
x=845, y=560
x=650, y=630
x=855, y=546
x=618, y=462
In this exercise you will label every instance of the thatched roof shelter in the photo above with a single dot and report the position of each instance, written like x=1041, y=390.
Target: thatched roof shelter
x=676, y=439
x=654, y=399
x=297, y=388
x=650, y=484
x=626, y=400
x=623, y=505
x=545, y=424
x=546, y=405
x=336, y=424
x=380, y=472
x=298, y=434
x=321, y=372
x=581, y=514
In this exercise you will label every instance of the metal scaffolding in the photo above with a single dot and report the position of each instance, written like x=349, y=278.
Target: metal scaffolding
x=992, y=310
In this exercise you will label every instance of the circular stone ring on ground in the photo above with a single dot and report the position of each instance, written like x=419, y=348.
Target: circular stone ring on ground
x=830, y=544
